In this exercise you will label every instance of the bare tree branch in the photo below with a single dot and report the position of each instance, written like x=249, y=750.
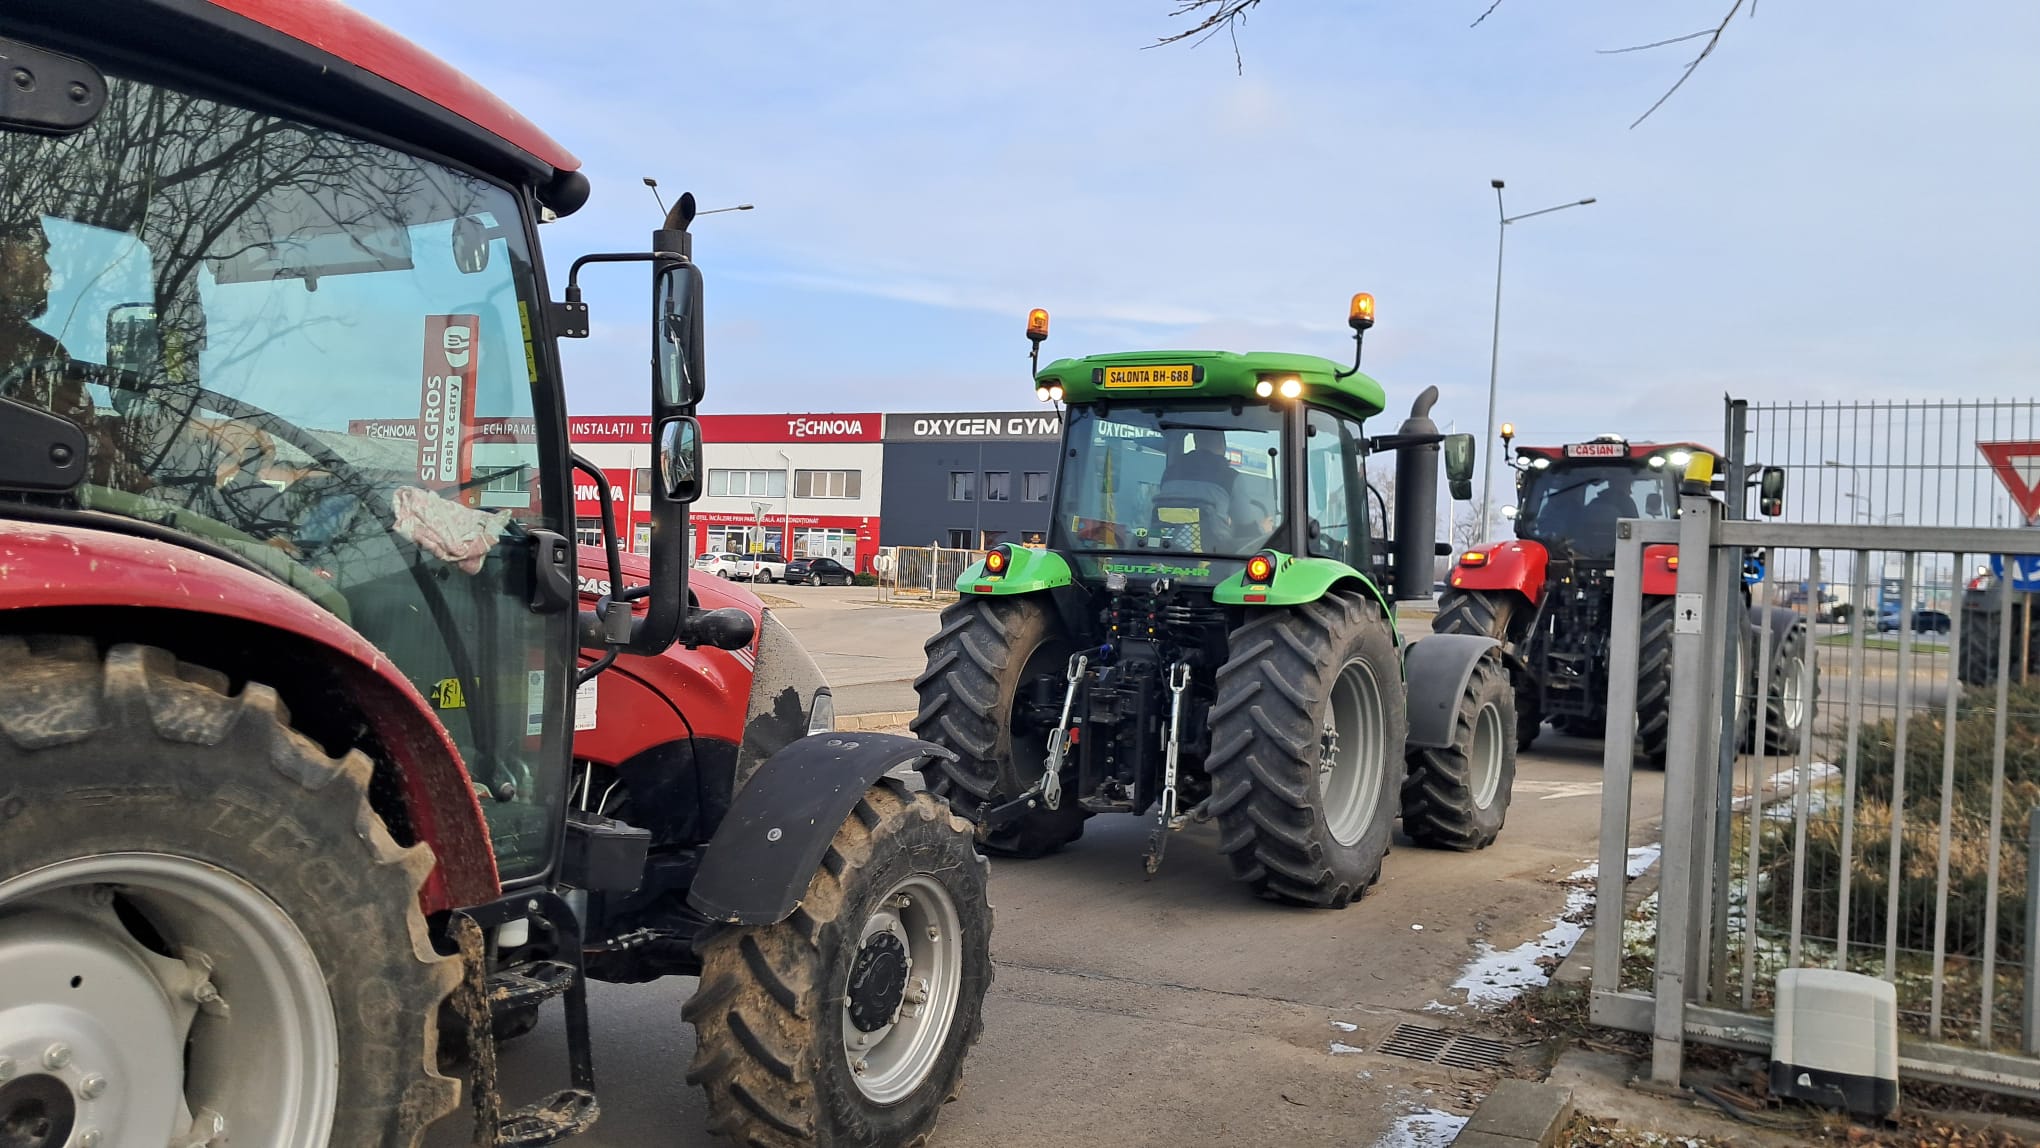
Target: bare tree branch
x=1688, y=73
x=1656, y=43
x=1484, y=15
x=1224, y=15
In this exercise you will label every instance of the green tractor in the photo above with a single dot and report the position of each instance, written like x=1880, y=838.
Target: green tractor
x=1210, y=630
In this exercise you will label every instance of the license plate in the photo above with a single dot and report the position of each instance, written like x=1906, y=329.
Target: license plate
x=1596, y=450
x=1156, y=375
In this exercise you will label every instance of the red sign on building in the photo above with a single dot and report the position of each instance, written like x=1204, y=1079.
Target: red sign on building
x=446, y=405
x=791, y=428
x=588, y=496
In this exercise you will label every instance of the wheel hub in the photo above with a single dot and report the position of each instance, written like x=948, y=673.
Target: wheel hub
x=36, y=1112
x=95, y=1042
x=878, y=982
x=902, y=989
x=236, y=1033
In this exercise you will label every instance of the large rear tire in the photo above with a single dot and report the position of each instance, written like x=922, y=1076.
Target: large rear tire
x=1493, y=615
x=848, y=1022
x=985, y=651
x=1307, y=749
x=200, y=906
x=1654, y=680
x=1458, y=797
x=1788, y=704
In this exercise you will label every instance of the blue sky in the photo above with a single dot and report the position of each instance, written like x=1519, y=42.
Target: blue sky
x=1837, y=206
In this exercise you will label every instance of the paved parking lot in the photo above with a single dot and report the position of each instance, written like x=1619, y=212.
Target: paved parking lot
x=1178, y=1010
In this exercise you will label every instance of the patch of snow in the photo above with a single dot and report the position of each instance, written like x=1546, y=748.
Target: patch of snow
x=1440, y=1006
x=1340, y=1048
x=1495, y=976
x=1427, y=1129
x=1342, y=1026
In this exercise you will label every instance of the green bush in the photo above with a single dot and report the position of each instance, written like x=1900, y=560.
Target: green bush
x=864, y=579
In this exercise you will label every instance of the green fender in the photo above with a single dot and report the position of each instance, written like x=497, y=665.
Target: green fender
x=1031, y=570
x=1300, y=580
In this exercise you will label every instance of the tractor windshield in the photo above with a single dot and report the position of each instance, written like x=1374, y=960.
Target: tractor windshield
x=1193, y=478
x=1575, y=507
x=309, y=351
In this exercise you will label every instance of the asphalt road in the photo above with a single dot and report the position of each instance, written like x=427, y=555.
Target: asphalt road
x=1178, y=1010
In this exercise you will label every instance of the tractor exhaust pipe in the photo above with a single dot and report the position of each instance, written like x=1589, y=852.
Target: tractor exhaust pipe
x=1415, y=546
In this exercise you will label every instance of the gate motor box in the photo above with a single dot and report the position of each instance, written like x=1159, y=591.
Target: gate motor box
x=1835, y=1041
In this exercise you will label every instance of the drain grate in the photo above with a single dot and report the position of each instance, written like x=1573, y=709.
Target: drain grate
x=1415, y=1042
x=1475, y=1052
x=1435, y=1046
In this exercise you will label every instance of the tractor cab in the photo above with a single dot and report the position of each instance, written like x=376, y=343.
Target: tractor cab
x=1189, y=467
x=1571, y=497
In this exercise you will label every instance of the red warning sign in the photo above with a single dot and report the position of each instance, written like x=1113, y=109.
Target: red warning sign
x=2018, y=467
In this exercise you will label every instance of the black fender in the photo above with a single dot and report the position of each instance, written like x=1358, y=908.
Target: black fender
x=1779, y=619
x=772, y=840
x=1435, y=672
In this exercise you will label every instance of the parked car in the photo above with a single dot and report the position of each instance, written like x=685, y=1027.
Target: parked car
x=765, y=567
x=1923, y=621
x=818, y=572
x=718, y=563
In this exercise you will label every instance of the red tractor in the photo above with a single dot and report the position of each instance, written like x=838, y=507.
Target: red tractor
x=325, y=755
x=1547, y=595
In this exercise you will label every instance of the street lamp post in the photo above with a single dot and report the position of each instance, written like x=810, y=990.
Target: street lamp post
x=1487, y=476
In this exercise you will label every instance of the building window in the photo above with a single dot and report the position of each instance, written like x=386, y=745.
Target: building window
x=1032, y=538
x=509, y=480
x=962, y=487
x=588, y=531
x=991, y=538
x=960, y=539
x=747, y=483
x=1034, y=486
x=827, y=483
x=641, y=481
x=998, y=485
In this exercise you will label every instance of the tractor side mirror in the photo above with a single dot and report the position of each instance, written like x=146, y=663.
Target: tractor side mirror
x=676, y=330
x=679, y=459
x=1771, y=492
x=1459, y=465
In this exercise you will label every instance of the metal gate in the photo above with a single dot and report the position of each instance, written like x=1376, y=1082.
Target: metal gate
x=909, y=574
x=1897, y=840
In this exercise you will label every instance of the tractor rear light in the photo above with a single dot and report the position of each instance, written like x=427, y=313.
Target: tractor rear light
x=997, y=560
x=1671, y=562
x=1260, y=570
x=1473, y=558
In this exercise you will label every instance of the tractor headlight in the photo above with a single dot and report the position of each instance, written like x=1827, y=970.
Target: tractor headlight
x=822, y=713
x=1264, y=388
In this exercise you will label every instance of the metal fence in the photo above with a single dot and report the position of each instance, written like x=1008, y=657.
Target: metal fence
x=1911, y=462
x=910, y=574
x=1896, y=841
x=1915, y=463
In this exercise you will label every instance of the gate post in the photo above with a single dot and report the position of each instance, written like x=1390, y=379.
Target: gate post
x=1677, y=976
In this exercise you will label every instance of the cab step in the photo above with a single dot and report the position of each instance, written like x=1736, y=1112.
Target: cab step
x=561, y=1116
x=528, y=984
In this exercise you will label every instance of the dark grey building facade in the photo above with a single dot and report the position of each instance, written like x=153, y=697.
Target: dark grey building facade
x=969, y=479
